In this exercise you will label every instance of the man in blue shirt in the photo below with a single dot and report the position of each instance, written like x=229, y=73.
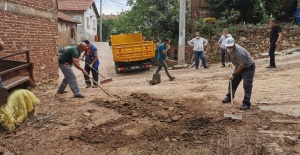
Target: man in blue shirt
x=92, y=64
x=162, y=55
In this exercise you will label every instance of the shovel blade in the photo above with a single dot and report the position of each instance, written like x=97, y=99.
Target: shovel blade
x=233, y=116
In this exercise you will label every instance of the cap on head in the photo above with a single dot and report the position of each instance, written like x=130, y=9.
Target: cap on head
x=86, y=41
x=273, y=20
x=229, y=42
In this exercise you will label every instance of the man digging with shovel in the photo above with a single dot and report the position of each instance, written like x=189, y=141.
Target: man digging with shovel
x=244, y=70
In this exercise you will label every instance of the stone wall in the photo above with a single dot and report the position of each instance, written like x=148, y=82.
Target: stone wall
x=255, y=39
x=64, y=34
x=32, y=25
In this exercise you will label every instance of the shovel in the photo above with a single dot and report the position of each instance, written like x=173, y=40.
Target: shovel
x=232, y=114
x=111, y=97
x=103, y=81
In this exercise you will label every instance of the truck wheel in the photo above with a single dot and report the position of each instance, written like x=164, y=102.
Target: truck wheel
x=117, y=71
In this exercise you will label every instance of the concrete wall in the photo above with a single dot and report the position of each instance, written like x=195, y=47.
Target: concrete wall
x=64, y=34
x=32, y=25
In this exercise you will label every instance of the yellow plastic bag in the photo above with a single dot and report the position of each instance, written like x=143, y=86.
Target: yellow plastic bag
x=19, y=103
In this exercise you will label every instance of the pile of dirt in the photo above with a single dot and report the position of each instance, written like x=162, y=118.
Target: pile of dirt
x=148, y=121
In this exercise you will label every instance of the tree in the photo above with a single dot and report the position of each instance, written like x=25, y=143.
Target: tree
x=156, y=19
x=107, y=28
x=252, y=11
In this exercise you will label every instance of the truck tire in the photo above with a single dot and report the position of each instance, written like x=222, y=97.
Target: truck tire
x=116, y=68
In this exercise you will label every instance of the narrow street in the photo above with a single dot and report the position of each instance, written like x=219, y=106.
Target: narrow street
x=184, y=116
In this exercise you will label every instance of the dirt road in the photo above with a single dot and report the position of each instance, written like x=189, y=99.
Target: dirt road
x=180, y=117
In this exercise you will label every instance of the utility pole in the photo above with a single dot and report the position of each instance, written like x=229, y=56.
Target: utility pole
x=101, y=18
x=181, y=43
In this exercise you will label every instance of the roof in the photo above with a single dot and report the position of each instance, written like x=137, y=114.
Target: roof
x=66, y=18
x=77, y=5
x=110, y=16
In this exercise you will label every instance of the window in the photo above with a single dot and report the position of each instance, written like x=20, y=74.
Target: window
x=94, y=24
x=72, y=33
x=88, y=23
x=78, y=18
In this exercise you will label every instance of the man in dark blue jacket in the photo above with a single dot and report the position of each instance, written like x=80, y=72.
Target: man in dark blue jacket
x=92, y=64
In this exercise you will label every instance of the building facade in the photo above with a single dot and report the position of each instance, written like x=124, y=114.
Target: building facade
x=84, y=12
x=67, y=30
x=32, y=25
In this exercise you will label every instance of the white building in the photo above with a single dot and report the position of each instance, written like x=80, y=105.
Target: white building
x=84, y=11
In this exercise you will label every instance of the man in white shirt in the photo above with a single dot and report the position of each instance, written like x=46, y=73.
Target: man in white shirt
x=199, y=44
x=222, y=45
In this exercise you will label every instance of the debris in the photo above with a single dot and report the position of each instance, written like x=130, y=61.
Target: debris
x=264, y=102
x=265, y=127
x=290, y=140
x=285, y=121
x=175, y=118
x=171, y=108
x=64, y=123
x=135, y=114
x=174, y=140
x=199, y=142
x=169, y=120
x=91, y=110
x=72, y=138
x=297, y=150
x=167, y=139
x=87, y=114
x=272, y=148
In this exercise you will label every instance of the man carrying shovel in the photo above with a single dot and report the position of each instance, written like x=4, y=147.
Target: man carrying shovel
x=244, y=70
x=161, y=58
x=91, y=64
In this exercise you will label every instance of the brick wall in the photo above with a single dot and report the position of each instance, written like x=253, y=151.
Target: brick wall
x=47, y=5
x=38, y=35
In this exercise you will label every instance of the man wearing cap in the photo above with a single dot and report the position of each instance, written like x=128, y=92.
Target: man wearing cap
x=91, y=65
x=222, y=45
x=66, y=61
x=244, y=70
x=199, y=44
x=275, y=39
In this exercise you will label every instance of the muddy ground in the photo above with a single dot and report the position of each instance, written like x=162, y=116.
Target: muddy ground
x=180, y=117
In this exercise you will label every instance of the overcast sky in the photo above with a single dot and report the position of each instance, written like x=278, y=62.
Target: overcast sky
x=112, y=6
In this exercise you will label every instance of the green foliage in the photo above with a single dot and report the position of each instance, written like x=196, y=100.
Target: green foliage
x=107, y=28
x=251, y=11
x=156, y=19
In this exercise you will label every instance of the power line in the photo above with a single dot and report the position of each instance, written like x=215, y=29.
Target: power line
x=118, y=4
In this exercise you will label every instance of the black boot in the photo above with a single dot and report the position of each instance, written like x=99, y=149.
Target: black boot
x=245, y=107
x=226, y=100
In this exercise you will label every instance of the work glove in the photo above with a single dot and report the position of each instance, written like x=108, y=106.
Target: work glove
x=231, y=77
x=229, y=64
x=91, y=65
x=84, y=72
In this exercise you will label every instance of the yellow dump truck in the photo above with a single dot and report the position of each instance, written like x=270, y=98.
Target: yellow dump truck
x=131, y=53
